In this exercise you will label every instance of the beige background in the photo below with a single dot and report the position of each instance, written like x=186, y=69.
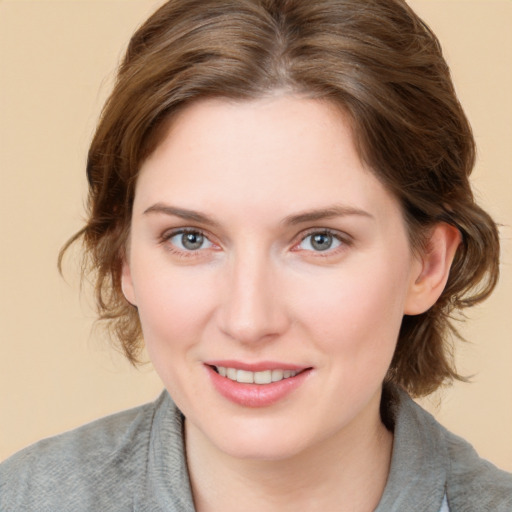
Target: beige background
x=57, y=60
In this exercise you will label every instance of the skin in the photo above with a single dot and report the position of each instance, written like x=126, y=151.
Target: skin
x=257, y=289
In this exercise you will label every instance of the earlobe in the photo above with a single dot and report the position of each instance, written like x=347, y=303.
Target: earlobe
x=127, y=284
x=434, y=269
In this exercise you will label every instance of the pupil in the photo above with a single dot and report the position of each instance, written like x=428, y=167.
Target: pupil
x=192, y=240
x=321, y=241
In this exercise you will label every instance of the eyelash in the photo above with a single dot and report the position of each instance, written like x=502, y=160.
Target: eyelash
x=168, y=235
x=344, y=240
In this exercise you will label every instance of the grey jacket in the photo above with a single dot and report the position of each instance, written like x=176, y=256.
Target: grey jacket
x=134, y=461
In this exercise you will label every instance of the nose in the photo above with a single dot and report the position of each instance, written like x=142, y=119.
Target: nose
x=252, y=310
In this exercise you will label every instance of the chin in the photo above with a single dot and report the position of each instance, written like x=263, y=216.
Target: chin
x=277, y=448
x=262, y=439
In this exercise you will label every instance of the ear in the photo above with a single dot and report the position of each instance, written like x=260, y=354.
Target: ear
x=127, y=283
x=433, y=269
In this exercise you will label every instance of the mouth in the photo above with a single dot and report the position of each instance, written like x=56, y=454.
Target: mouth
x=260, y=384
x=256, y=385
x=255, y=377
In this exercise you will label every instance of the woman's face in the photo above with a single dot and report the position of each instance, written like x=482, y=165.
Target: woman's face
x=262, y=249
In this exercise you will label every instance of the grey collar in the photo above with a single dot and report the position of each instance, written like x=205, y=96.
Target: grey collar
x=416, y=481
x=417, y=477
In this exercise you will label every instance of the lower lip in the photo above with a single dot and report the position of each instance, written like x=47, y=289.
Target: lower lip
x=256, y=395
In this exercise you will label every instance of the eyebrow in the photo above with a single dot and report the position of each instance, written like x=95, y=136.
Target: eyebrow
x=183, y=213
x=299, y=218
x=325, y=213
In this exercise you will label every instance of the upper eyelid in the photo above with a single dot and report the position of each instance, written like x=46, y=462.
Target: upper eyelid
x=165, y=237
x=169, y=233
x=298, y=238
x=345, y=240
x=341, y=235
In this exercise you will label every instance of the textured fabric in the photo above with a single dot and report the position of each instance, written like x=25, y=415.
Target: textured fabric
x=429, y=462
x=134, y=461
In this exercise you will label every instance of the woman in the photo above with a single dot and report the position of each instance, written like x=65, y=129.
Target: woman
x=279, y=206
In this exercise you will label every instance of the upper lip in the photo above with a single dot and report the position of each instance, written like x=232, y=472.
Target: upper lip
x=256, y=366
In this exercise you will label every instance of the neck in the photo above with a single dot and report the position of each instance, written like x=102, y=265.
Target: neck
x=346, y=471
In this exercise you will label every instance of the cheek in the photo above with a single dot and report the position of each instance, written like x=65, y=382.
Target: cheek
x=174, y=308
x=174, y=304
x=358, y=310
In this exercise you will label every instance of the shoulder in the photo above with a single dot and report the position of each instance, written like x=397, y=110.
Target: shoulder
x=84, y=469
x=472, y=482
x=452, y=464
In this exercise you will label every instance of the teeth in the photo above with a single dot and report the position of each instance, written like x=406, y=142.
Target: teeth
x=277, y=375
x=245, y=376
x=263, y=377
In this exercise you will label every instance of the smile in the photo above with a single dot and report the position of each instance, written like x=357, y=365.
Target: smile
x=261, y=377
x=256, y=384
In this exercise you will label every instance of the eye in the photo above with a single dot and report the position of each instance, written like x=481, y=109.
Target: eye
x=320, y=241
x=189, y=240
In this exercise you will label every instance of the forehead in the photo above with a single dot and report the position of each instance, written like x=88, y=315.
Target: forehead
x=287, y=152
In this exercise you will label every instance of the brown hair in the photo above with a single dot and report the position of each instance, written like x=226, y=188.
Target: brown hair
x=377, y=60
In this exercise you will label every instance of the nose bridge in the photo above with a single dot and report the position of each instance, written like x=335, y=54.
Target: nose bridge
x=252, y=310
